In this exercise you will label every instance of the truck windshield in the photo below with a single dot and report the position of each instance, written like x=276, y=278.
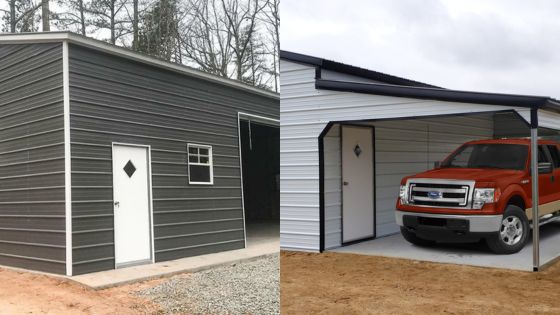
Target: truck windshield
x=502, y=156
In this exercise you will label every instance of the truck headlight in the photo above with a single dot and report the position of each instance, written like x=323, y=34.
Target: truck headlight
x=403, y=194
x=482, y=196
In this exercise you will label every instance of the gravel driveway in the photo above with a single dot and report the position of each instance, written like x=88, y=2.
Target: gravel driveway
x=245, y=288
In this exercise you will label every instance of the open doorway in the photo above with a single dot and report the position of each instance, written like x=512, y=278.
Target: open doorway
x=260, y=154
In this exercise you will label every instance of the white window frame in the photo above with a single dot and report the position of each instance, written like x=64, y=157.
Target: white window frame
x=210, y=163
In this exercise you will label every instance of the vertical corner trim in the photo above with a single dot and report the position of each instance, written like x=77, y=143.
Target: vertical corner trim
x=321, y=194
x=321, y=147
x=535, y=195
x=67, y=158
x=239, y=114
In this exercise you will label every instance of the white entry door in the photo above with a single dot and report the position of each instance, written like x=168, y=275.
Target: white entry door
x=357, y=183
x=131, y=198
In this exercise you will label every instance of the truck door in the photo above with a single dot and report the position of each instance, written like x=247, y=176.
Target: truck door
x=547, y=182
x=554, y=151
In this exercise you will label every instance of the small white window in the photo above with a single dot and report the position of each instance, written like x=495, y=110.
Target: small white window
x=201, y=171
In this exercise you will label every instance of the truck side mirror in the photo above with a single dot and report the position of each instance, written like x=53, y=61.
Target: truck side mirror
x=545, y=168
x=437, y=164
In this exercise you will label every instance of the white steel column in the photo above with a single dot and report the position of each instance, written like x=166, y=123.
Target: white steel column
x=535, y=187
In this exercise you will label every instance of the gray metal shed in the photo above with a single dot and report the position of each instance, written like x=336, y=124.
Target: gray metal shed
x=110, y=158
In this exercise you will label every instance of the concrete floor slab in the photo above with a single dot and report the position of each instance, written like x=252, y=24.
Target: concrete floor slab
x=468, y=254
x=262, y=240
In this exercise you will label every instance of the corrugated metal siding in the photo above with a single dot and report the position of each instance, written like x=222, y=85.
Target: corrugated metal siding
x=407, y=147
x=299, y=164
x=305, y=112
x=32, y=226
x=333, y=188
x=118, y=100
x=547, y=119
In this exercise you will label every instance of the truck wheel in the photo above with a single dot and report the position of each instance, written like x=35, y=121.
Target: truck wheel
x=513, y=233
x=412, y=238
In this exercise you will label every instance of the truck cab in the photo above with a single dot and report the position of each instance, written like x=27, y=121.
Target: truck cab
x=480, y=191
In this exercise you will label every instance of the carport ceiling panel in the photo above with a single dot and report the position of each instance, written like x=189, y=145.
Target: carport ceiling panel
x=360, y=107
x=547, y=119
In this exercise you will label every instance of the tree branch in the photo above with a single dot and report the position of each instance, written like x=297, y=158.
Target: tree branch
x=26, y=13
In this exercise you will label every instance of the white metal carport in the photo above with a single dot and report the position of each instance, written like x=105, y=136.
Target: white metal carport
x=317, y=94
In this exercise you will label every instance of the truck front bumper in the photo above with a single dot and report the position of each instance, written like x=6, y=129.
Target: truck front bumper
x=450, y=222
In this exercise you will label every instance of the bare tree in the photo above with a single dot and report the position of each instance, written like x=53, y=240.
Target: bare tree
x=225, y=37
x=271, y=20
x=135, y=15
x=45, y=15
x=204, y=38
x=21, y=16
x=241, y=23
x=72, y=16
x=260, y=69
x=118, y=18
x=109, y=15
x=135, y=24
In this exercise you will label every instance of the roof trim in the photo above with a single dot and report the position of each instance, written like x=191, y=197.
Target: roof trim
x=301, y=58
x=529, y=101
x=349, y=69
x=46, y=37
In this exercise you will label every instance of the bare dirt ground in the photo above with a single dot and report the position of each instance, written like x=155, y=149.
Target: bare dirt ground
x=28, y=293
x=250, y=287
x=334, y=283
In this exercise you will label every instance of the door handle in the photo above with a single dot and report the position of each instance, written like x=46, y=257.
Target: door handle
x=117, y=204
x=345, y=183
x=552, y=178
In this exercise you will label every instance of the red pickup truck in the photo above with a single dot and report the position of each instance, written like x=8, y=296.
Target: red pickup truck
x=480, y=191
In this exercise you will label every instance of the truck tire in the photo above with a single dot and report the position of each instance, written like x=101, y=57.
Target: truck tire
x=412, y=238
x=513, y=232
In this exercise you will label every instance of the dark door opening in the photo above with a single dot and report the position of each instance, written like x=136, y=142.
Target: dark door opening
x=260, y=152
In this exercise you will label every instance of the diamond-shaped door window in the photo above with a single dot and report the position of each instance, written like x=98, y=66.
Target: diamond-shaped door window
x=357, y=150
x=129, y=168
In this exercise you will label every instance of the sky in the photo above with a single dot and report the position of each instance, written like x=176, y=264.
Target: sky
x=505, y=46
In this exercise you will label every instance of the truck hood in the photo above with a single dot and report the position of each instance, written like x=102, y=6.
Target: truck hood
x=477, y=174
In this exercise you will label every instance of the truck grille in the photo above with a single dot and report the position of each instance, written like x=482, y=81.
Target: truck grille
x=439, y=194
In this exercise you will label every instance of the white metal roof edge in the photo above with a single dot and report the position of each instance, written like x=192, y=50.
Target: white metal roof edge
x=45, y=37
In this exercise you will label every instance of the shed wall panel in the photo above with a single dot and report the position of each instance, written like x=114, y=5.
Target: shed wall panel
x=32, y=224
x=118, y=100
